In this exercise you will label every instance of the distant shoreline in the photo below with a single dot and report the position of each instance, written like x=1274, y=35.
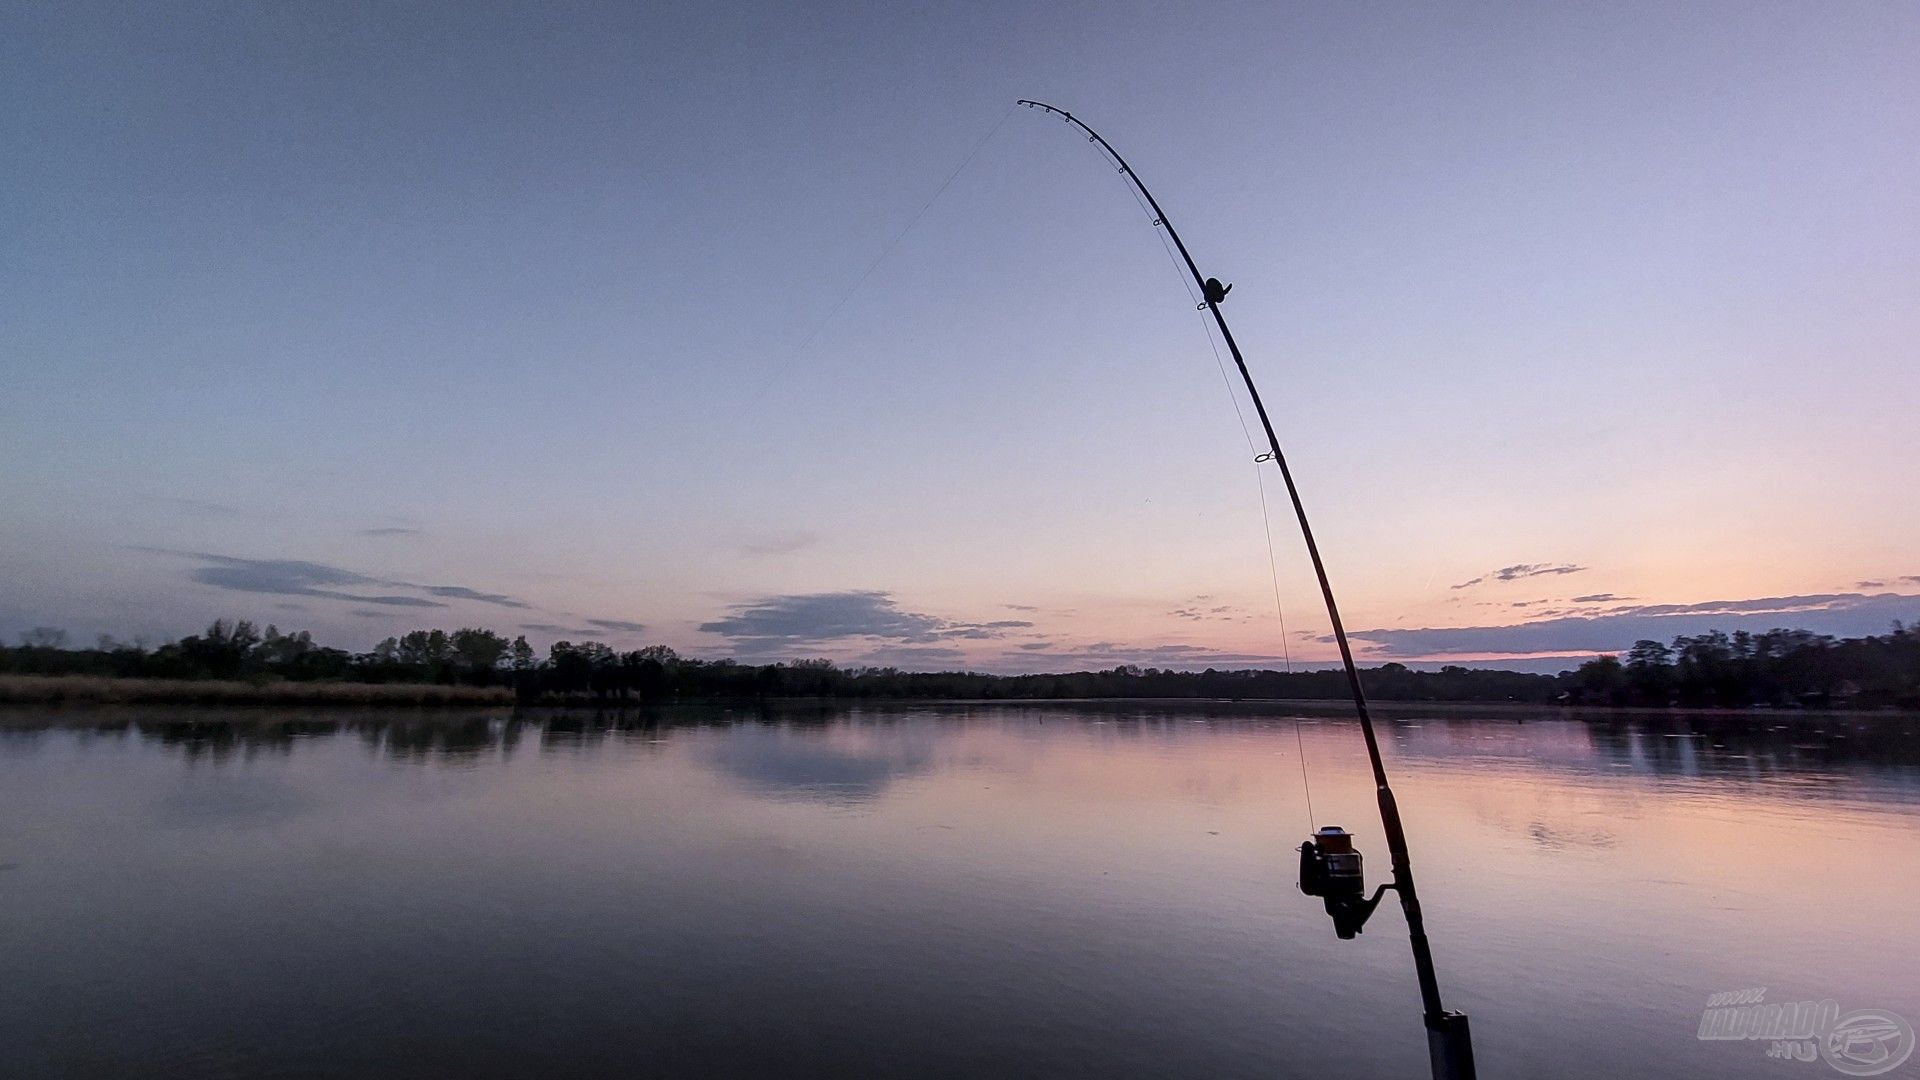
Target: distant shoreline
x=85, y=690
x=235, y=662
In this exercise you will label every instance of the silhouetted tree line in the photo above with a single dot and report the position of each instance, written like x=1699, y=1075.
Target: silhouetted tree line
x=240, y=650
x=1779, y=667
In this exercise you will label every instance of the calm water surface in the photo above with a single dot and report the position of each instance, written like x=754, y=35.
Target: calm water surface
x=927, y=891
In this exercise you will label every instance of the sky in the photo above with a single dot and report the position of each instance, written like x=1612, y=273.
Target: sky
x=675, y=324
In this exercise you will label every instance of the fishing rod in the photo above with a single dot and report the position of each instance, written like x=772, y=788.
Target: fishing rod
x=1329, y=867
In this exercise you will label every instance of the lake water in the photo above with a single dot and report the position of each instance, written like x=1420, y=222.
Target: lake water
x=929, y=891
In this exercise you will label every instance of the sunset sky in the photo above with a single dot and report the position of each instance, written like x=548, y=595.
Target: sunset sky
x=1580, y=324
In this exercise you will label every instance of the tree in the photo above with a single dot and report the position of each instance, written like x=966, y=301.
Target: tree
x=425, y=648
x=1650, y=671
x=479, y=652
x=1601, y=680
x=577, y=668
x=1648, y=653
x=284, y=650
x=523, y=655
x=223, y=651
x=1715, y=669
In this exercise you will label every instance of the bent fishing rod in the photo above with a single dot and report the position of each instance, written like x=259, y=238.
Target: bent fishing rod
x=1329, y=867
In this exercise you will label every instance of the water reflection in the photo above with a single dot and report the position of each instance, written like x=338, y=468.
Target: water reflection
x=453, y=739
x=1757, y=744
x=254, y=800
x=823, y=765
x=950, y=890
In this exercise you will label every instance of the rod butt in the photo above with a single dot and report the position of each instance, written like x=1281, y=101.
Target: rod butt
x=1451, y=1046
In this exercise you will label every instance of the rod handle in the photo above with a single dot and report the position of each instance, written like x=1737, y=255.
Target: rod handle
x=1450, y=1045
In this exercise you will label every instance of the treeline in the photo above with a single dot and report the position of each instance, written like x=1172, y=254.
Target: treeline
x=1780, y=667
x=239, y=651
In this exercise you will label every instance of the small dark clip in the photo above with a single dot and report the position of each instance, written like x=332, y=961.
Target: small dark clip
x=1215, y=292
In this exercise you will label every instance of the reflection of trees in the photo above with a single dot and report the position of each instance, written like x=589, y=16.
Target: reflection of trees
x=219, y=740
x=462, y=738
x=1666, y=742
x=1762, y=742
x=1757, y=743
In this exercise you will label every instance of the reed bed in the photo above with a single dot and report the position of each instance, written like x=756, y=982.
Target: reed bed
x=90, y=690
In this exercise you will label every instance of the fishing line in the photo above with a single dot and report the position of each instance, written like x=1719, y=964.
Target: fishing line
x=1266, y=516
x=807, y=341
x=1286, y=650
x=1273, y=568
